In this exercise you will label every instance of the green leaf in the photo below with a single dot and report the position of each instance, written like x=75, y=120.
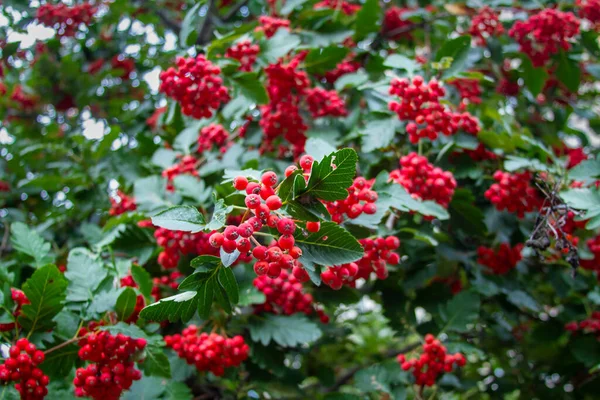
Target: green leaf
x=180, y=218
x=205, y=263
x=192, y=187
x=379, y=133
x=219, y=217
x=322, y=59
x=251, y=87
x=367, y=19
x=352, y=80
x=331, y=245
x=318, y=148
x=460, y=311
x=458, y=50
x=229, y=284
x=287, y=331
x=29, y=242
x=182, y=307
x=250, y=295
x=378, y=377
x=403, y=201
x=191, y=25
x=534, y=78
x=46, y=292
x=513, y=163
x=399, y=61
x=85, y=272
x=143, y=279
x=178, y=391
x=465, y=215
x=156, y=362
x=279, y=45
x=194, y=281
x=150, y=194
x=290, y=5
x=229, y=258
x=222, y=299
x=523, y=300
x=581, y=199
x=588, y=170
x=126, y=303
x=568, y=72
x=330, y=177
x=205, y=298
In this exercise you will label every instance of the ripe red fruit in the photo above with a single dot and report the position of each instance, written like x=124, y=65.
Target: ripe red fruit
x=240, y=182
x=252, y=201
x=286, y=225
x=229, y=246
x=290, y=170
x=274, y=270
x=313, y=226
x=253, y=188
x=216, y=239
x=269, y=178
x=260, y=252
x=274, y=202
x=286, y=242
x=306, y=162
x=261, y=267
x=231, y=232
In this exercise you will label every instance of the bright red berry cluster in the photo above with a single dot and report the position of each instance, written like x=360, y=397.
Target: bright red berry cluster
x=26, y=101
x=212, y=135
x=195, y=85
x=343, y=68
x=378, y=253
x=545, y=34
x=270, y=25
x=325, y=103
x=208, y=352
x=20, y=300
x=126, y=65
x=589, y=325
x=394, y=25
x=485, y=25
x=468, y=90
x=187, y=165
x=65, y=19
x=176, y=243
x=170, y=281
x=245, y=52
x=501, y=260
x=121, y=203
x=112, y=369
x=590, y=10
x=593, y=245
x=514, y=193
x=22, y=367
x=574, y=155
x=423, y=180
x=343, y=6
x=480, y=153
x=361, y=199
x=433, y=362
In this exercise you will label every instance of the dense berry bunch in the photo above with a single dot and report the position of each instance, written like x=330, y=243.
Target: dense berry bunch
x=283, y=119
x=208, y=352
x=270, y=25
x=25, y=101
x=170, y=281
x=593, y=245
x=245, y=52
x=394, y=25
x=121, y=203
x=285, y=80
x=176, y=243
x=574, y=155
x=343, y=68
x=514, y=193
x=126, y=65
x=195, y=85
x=343, y=6
x=433, y=362
x=212, y=135
x=590, y=10
x=501, y=260
x=468, y=90
x=187, y=165
x=545, y=34
x=20, y=300
x=284, y=294
x=589, y=325
x=325, y=103
x=361, y=198
x=21, y=367
x=480, y=153
x=112, y=369
x=65, y=19
x=485, y=25
x=423, y=180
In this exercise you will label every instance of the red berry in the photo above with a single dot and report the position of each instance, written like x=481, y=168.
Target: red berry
x=286, y=226
x=269, y=179
x=313, y=226
x=274, y=202
x=240, y=182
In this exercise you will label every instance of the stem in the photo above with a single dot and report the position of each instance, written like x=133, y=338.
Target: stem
x=64, y=344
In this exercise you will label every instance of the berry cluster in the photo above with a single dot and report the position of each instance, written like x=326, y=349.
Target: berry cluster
x=502, y=260
x=212, y=135
x=176, y=243
x=170, y=281
x=245, y=52
x=395, y=26
x=480, y=153
x=126, y=65
x=65, y=19
x=433, y=362
x=22, y=367
x=121, y=203
x=514, y=193
x=590, y=10
x=208, y=352
x=468, y=90
x=195, y=85
x=285, y=295
x=343, y=6
x=187, y=165
x=270, y=25
x=112, y=369
x=343, y=68
x=420, y=104
x=378, y=253
x=589, y=325
x=593, y=245
x=152, y=121
x=423, y=180
x=545, y=34
x=361, y=198
x=323, y=103
x=20, y=300
x=574, y=155
x=485, y=25
x=26, y=101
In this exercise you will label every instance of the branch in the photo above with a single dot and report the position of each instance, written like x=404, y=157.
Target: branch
x=231, y=13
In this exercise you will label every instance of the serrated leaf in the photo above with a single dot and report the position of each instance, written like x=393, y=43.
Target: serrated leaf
x=287, y=331
x=156, y=362
x=180, y=218
x=222, y=299
x=29, y=242
x=229, y=284
x=331, y=245
x=182, y=307
x=460, y=311
x=251, y=87
x=330, y=177
x=191, y=25
x=46, y=292
x=192, y=187
x=205, y=263
x=378, y=133
x=59, y=363
x=205, y=298
x=581, y=199
x=143, y=279
x=194, y=281
x=85, y=272
x=367, y=19
x=126, y=303
x=219, y=217
x=323, y=59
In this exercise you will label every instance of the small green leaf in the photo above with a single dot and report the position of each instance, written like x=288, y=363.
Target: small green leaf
x=322, y=59
x=399, y=61
x=330, y=177
x=191, y=25
x=205, y=298
x=287, y=331
x=228, y=282
x=379, y=133
x=143, y=279
x=331, y=245
x=194, y=281
x=581, y=199
x=156, y=362
x=568, y=72
x=182, y=307
x=279, y=45
x=534, y=78
x=367, y=19
x=85, y=272
x=126, y=303
x=219, y=217
x=29, y=242
x=180, y=218
x=458, y=50
x=460, y=311
x=251, y=87
x=205, y=263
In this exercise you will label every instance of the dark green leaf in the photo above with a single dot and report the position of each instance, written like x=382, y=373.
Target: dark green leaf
x=331, y=245
x=85, y=272
x=251, y=87
x=205, y=298
x=126, y=303
x=180, y=218
x=228, y=282
x=182, y=307
x=191, y=25
x=367, y=19
x=219, y=217
x=330, y=177
x=143, y=279
x=379, y=133
x=287, y=331
x=46, y=292
x=460, y=311
x=323, y=59
x=535, y=78
x=29, y=242
x=458, y=50
x=568, y=72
